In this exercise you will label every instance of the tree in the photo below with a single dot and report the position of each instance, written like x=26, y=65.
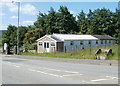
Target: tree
x=22, y=31
x=99, y=21
x=51, y=22
x=82, y=22
x=67, y=21
x=40, y=22
x=31, y=36
x=10, y=35
x=57, y=22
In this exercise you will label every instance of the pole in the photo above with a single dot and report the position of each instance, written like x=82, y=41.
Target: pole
x=18, y=28
x=39, y=25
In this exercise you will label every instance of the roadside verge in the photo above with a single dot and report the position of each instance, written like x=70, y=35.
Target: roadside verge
x=80, y=61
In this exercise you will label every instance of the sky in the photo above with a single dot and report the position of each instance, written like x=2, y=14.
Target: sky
x=30, y=10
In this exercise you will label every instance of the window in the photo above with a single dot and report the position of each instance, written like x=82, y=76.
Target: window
x=81, y=42
x=101, y=41
x=89, y=42
x=105, y=41
x=44, y=44
x=72, y=43
x=109, y=41
x=97, y=42
x=40, y=43
x=52, y=44
x=47, y=45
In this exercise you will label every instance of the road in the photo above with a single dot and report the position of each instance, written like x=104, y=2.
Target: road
x=28, y=71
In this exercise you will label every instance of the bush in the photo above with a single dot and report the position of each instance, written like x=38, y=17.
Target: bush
x=30, y=46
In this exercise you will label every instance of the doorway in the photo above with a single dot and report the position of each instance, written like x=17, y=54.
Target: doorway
x=46, y=47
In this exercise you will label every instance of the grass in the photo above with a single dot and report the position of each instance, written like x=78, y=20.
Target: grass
x=79, y=54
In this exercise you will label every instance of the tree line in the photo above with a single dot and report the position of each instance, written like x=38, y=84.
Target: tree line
x=100, y=21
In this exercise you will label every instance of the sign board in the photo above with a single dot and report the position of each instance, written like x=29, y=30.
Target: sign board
x=5, y=46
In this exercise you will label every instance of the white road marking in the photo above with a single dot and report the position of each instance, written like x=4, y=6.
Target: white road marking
x=16, y=65
x=58, y=70
x=108, y=78
x=72, y=74
x=83, y=81
x=53, y=74
x=45, y=73
x=98, y=80
x=112, y=77
x=10, y=63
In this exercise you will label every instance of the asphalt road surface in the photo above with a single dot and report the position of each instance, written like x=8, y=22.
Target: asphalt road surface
x=27, y=71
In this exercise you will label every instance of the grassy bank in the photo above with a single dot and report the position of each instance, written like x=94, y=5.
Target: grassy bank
x=79, y=54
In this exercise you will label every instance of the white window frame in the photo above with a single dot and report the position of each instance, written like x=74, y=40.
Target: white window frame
x=52, y=42
x=39, y=43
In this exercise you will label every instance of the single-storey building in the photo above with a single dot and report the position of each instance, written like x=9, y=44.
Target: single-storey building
x=70, y=42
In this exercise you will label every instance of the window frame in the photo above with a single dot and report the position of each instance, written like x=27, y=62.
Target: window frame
x=89, y=42
x=81, y=43
x=52, y=45
x=109, y=41
x=40, y=43
x=101, y=41
x=71, y=43
x=96, y=41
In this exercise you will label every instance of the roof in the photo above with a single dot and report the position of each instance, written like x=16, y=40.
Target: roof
x=63, y=37
x=103, y=36
x=49, y=36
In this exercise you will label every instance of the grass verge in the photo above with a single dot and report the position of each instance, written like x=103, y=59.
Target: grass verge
x=88, y=53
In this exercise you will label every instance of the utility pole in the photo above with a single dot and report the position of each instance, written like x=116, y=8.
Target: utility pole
x=18, y=26
x=39, y=25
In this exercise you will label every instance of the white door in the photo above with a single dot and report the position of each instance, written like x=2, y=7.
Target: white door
x=46, y=47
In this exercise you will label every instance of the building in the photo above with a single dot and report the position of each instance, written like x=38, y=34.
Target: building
x=71, y=42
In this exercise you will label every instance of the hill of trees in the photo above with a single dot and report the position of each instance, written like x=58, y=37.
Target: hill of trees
x=99, y=21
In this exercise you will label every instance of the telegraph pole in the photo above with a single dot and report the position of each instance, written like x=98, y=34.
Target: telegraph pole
x=18, y=26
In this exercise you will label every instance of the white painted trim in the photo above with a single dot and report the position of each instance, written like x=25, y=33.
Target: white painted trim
x=45, y=36
x=49, y=45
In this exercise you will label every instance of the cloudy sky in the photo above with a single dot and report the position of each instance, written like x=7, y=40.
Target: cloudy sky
x=29, y=10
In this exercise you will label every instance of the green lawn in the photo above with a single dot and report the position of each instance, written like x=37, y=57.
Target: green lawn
x=79, y=54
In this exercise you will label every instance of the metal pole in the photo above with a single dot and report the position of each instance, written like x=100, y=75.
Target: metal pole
x=39, y=25
x=18, y=29
x=18, y=26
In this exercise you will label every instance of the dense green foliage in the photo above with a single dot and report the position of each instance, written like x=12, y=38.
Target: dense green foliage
x=99, y=21
x=57, y=22
x=10, y=35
